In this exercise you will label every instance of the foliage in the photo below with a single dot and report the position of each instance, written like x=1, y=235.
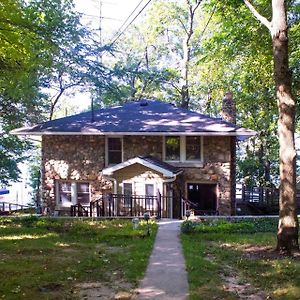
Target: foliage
x=45, y=258
x=44, y=53
x=244, y=259
x=230, y=225
x=35, y=176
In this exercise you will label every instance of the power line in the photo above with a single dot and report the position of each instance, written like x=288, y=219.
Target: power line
x=209, y=19
x=118, y=35
x=119, y=30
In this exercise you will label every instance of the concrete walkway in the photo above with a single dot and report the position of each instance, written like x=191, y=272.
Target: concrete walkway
x=166, y=277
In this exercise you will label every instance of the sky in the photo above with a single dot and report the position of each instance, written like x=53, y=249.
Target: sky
x=114, y=13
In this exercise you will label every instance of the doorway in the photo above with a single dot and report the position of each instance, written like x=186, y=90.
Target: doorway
x=203, y=197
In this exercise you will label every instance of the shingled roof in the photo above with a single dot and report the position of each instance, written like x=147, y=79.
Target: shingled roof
x=145, y=117
x=148, y=161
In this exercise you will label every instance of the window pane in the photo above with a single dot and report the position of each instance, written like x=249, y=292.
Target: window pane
x=149, y=189
x=128, y=188
x=65, y=192
x=114, y=144
x=83, y=187
x=114, y=148
x=193, y=148
x=83, y=198
x=114, y=157
x=83, y=193
x=173, y=148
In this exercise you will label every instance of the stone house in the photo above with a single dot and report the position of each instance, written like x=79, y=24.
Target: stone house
x=141, y=156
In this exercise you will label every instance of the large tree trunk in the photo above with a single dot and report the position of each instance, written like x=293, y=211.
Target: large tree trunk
x=287, y=236
x=288, y=225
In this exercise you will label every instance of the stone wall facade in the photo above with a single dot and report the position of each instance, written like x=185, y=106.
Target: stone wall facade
x=72, y=158
x=81, y=158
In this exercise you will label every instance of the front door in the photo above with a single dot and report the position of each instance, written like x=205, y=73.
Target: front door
x=203, y=197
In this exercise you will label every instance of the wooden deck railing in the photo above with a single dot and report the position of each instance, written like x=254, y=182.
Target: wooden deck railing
x=261, y=199
x=8, y=207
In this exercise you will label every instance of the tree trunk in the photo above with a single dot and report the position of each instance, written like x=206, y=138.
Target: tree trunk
x=288, y=225
x=287, y=235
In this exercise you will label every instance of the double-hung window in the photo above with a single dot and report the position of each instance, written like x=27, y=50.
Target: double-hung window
x=69, y=193
x=114, y=150
x=183, y=148
x=172, y=146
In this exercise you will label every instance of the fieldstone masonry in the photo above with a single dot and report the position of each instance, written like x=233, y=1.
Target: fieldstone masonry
x=81, y=158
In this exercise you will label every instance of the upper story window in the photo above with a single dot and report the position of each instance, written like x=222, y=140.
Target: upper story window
x=114, y=150
x=172, y=146
x=183, y=148
x=193, y=147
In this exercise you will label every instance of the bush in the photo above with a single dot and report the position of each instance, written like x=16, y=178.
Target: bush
x=231, y=225
x=188, y=226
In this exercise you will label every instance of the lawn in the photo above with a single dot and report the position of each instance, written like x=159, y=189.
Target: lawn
x=44, y=258
x=236, y=260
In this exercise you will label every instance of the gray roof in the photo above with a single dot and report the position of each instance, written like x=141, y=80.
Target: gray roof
x=145, y=117
x=149, y=161
x=164, y=165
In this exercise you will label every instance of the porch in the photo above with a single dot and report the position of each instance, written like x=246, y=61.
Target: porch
x=121, y=205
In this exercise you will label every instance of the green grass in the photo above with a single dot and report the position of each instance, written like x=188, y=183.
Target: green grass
x=216, y=249
x=45, y=258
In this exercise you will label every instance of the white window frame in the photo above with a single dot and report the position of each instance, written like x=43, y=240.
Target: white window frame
x=183, y=150
x=106, y=148
x=73, y=192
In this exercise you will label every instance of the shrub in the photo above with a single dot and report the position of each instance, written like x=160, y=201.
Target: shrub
x=188, y=226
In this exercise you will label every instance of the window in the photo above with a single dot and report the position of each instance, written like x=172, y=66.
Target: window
x=127, y=191
x=114, y=151
x=149, y=191
x=69, y=193
x=183, y=148
x=65, y=192
x=193, y=147
x=83, y=193
x=172, y=145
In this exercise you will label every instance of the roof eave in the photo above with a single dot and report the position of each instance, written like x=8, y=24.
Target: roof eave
x=162, y=133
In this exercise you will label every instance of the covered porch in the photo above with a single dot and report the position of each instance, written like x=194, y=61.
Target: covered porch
x=141, y=184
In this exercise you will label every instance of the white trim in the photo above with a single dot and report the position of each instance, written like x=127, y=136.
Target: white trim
x=137, y=160
x=239, y=132
x=183, y=151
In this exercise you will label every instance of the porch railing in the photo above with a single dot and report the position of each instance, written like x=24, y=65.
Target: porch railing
x=79, y=210
x=120, y=205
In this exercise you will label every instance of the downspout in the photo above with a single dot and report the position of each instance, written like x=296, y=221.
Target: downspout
x=172, y=179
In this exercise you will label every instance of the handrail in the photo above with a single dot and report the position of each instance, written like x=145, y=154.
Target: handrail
x=8, y=206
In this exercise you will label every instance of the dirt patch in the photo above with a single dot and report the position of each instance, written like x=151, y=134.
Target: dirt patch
x=268, y=252
x=98, y=290
x=234, y=284
x=261, y=252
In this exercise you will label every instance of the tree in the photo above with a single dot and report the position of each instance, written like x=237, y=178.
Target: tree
x=288, y=227
x=43, y=46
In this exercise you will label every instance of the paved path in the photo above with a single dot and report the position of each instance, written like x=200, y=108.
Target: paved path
x=165, y=277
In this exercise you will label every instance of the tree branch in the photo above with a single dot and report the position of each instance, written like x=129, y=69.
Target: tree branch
x=257, y=15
